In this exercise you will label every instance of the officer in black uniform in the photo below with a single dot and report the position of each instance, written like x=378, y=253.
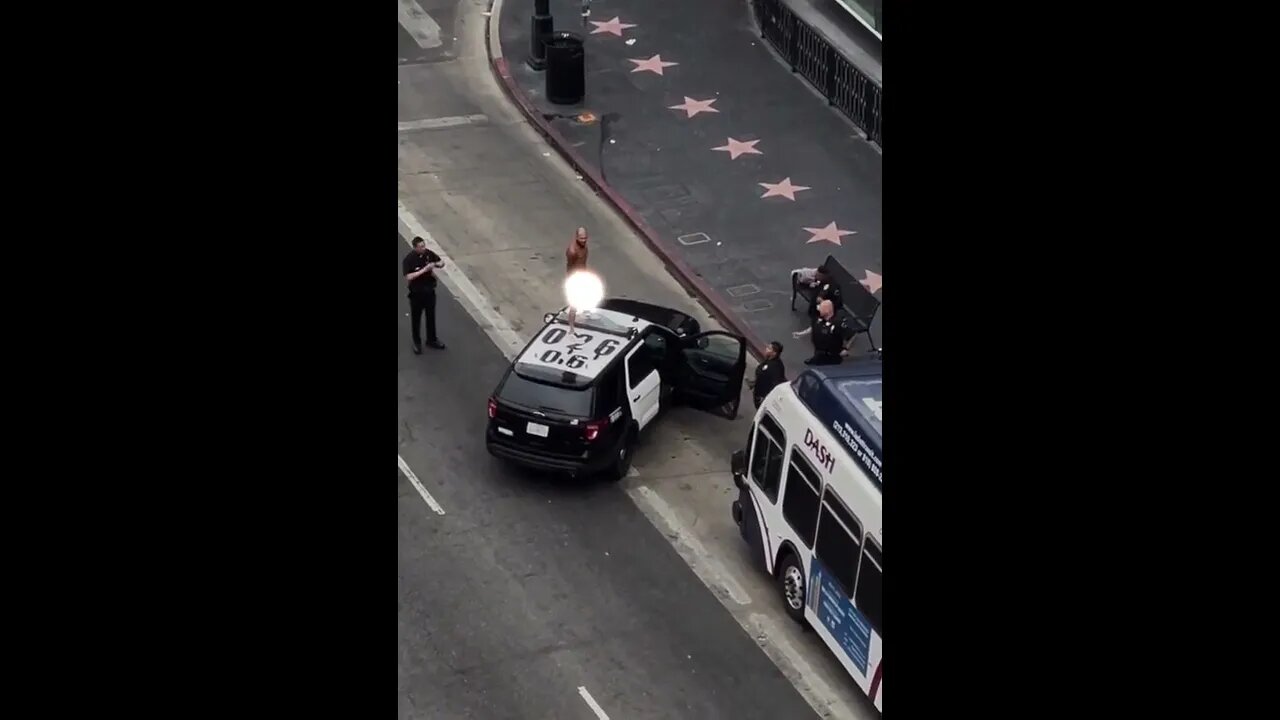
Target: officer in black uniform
x=830, y=333
x=827, y=289
x=769, y=374
x=419, y=268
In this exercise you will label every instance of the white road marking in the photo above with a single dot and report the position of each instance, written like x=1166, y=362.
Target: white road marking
x=404, y=468
x=442, y=122
x=418, y=23
x=704, y=564
x=591, y=702
x=765, y=631
x=473, y=300
x=491, y=27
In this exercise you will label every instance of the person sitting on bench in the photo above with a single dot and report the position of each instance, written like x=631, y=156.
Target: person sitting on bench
x=826, y=289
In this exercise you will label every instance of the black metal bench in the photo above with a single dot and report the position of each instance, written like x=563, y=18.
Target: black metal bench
x=860, y=306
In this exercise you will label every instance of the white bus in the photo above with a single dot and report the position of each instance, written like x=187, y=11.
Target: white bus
x=809, y=504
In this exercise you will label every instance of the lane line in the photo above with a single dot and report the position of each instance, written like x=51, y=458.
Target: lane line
x=704, y=564
x=442, y=122
x=419, y=24
x=797, y=668
x=404, y=468
x=591, y=702
x=473, y=300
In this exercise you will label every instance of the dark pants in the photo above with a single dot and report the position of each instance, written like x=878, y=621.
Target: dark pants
x=824, y=358
x=420, y=303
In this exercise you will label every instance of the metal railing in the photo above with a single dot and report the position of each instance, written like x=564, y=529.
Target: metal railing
x=808, y=53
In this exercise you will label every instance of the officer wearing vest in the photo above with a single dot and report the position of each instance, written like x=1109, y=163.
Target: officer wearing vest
x=419, y=268
x=769, y=374
x=830, y=335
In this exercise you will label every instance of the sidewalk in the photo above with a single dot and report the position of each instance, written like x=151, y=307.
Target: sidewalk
x=690, y=127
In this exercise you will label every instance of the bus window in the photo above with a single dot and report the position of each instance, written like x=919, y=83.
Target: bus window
x=839, y=541
x=804, y=384
x=766, y=457
x=870, y=577
x=800, y=498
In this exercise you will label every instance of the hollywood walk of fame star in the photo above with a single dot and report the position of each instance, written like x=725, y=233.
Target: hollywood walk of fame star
x=871, y=282
x=737, y=147
x=653, y=64
x=830, y=233
x=693, y=107
x=782, y=189
x=613, y=27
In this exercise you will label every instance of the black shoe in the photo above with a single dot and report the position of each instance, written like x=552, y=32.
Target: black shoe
x=417, y=349
x=436, y=344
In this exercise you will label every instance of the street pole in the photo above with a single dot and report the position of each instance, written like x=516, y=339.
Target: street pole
x=543, y=24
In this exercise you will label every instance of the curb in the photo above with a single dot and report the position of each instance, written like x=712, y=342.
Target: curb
x=685, y=275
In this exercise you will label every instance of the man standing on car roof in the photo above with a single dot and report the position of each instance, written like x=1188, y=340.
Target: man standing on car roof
x=769, y=374
x=419, y=268
x=830, y=333
x=575, y=259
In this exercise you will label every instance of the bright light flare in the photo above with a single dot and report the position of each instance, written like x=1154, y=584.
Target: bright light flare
x=583, y=290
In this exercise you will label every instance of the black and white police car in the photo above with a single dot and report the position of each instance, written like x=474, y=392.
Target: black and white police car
x=576, y=402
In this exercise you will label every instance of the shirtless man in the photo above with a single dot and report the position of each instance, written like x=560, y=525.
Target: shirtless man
x=576, y=256
x=575, y=259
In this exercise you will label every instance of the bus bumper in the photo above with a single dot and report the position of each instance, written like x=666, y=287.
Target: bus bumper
x=738, y=464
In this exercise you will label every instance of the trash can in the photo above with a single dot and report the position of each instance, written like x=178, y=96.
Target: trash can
x=566, y=68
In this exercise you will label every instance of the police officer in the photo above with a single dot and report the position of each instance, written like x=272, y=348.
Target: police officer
x=769, y=374
x=419, y=268
x=827, y=289
x=830, y=336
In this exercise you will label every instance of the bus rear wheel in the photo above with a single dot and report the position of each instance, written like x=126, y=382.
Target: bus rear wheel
x=791, y=583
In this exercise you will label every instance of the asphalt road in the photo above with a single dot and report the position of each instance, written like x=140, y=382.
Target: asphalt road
x=528, y=588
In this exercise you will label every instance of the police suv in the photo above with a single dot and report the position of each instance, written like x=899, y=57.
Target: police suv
x=575, y=401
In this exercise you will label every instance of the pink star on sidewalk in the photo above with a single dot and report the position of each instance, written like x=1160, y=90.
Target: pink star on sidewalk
x=737, y=147
x=613, y=27
x=871, y=282
x=782, y=189
x=653, y=64
x=830, y=233
x=693, y=107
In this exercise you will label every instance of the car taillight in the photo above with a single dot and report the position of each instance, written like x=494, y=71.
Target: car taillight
x=493, y=408
x=594, y=428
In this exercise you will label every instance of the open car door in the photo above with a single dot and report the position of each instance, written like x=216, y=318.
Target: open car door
x=711, y=366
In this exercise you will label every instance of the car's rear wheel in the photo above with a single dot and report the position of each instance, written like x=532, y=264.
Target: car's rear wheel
x=622, y=460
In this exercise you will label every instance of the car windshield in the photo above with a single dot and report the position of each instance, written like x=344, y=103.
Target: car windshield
x=523, y=388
